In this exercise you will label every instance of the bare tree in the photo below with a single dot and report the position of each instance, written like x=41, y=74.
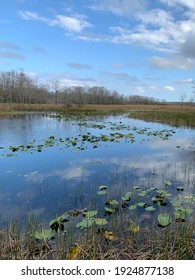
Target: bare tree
x=182, y=98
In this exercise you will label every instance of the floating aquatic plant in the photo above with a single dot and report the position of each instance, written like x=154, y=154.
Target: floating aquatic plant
x=164, y=219
x=57, y=223
x=44, y=234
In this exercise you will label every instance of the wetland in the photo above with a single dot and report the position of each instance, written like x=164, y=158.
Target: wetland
x=120, y=184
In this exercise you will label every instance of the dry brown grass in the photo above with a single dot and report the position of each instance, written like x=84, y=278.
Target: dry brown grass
x=168, y=107
x=13, y=108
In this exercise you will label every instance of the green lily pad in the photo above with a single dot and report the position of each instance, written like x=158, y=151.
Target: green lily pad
x=110, y=210
x=90, y=214
x=136, y=188
x=167, y=183
x=127, y=196
x=45, y=234
x=133, y=207
x=57, y=223
x=101, y=222
x=141, y=204
x=113, y=202
x=164, y=219
x=85, y=223
x=142, y=193
x=150, y=208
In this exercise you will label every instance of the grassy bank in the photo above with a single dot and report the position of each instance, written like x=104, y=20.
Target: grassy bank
x=174, y=118
x=175, y=242
x=14, y=108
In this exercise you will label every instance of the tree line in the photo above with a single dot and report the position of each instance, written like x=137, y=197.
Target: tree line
x=18, y=87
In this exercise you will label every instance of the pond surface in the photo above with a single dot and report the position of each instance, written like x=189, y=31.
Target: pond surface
x=49, y=165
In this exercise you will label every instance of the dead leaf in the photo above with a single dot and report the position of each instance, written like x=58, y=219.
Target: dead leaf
x=73, y=252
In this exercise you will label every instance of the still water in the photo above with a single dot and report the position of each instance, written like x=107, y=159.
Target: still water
x=50, y=165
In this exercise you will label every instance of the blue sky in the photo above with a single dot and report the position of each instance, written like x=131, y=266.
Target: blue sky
x=142, y=47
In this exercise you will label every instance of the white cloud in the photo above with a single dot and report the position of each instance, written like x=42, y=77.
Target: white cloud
x=153, y=88
x=173, y=62
x=155, y=17
x=156, y=30
x=78, y=82
x=70, y=23
x=74, y=23
x=95, y=37
x=169, y=88
x=186, y=81
x=26, y=15
x=163, y=30
x=186, y=3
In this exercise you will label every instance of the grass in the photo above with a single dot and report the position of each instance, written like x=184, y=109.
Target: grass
x=175, y=242
x=175, y=118
x=6, y=108
x=173, y=114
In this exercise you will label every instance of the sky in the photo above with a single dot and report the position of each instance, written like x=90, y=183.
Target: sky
x=136, y=47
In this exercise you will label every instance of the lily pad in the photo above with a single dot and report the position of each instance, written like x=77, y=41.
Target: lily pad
x=134, y=228
x=164, y=219
x=100, y=222
x=44, y=234
x=114, y=203
x=110, y=210
x=127, y=196
x=141, y=204
x=136, y=188
x=102, y=189
x=133, y=207
x=90, y=214
x=57, y=223
x=182, y=213
x=167, y=183
x=150, y=208
x=85, y=223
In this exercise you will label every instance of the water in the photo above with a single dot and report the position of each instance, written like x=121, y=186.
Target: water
x=62, y=171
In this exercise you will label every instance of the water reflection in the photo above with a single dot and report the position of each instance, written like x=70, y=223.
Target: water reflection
x=58, y=179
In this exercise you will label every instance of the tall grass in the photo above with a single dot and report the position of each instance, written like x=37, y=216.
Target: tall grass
x=175, y=242
x=182, y=118
x=7, y=108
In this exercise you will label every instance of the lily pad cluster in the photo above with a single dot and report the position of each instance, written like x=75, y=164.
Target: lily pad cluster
x=133, y=203
x=82, y=142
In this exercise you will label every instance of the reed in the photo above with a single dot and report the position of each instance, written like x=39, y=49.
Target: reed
x=182, y=118
x=172, y=243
